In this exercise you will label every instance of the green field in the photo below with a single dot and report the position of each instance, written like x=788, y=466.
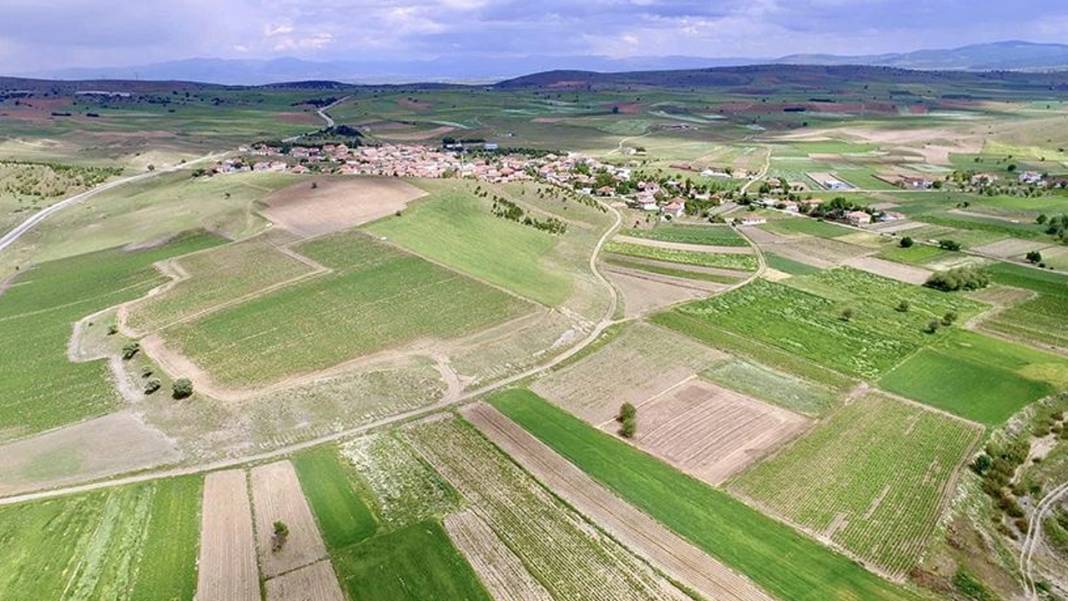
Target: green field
x=329, y=486
x=744, y=262
x=378, y=297
x=872, y=476
x=1039, y=320
x=40, y=388
x=136, y=542
x=784, y=562
x=415, y=563
x=806, y=226
x=765, y=383
x=804, y=317
x=917, y=254
x=789, y=266
x=715, y=235
x=978, y=377
x=456, y=228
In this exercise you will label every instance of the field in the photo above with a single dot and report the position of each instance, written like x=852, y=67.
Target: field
x=277, y=496
x=501, y=572
x=327, y=205
x=315, y=582
x=714, y=235
x=329, y=486
x=978, y=377
x=36, y=317
x=136, y=542
x=405, y=297
x=805, y=318
x=872, y=477
x=1039, y=321
x=26, y=187
x=789, y=266
x=782, y=561
x=742, y=262
x=810, y=227
x=228, y=569
x=557, y=546
x=771, y=385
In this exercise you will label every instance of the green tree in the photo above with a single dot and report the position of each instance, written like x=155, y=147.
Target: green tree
x=906, y=242
x=280, y=536
x=130, y=349
x=903, y=306
x=949, y=318
x=182, y=388
x=1034, y=257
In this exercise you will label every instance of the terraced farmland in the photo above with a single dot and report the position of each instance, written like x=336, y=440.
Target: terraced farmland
x=562, y=551
x=805, y=317
x=378, y=297
x=135, y=542
x=872, y=477
x=40, y=388
x=714, y=235
x=742, y=262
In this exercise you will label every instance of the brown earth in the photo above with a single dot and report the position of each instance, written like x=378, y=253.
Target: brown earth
x=227, y=563
x=501, y=572
x=1010, y=247
x=701, y=248
x=298, y=117
x=337, y=203
x=644, y=292
x=277, y=496
x=420, y=135
x=640, y=533
x=316, y=582
x=711, y=432
x=889, y=269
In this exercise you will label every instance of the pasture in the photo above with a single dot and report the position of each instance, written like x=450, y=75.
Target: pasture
x=331, y=489
x=776, y=557
x=378, y=297
x=872, y=477
x=714, y=235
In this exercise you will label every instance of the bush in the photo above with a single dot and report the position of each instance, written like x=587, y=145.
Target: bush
x=152, y=386
x=1034, y=257
x=982, y=463
x=970, y=587
x=949, y=318
x=961, y=278
x=182, y=388
x=281, y=534
x=903, y=307
x=129, y=350
x=906, y=242
x=847, y=314
x=949, y=245
x=932, y=326
x=113, y=329
x=628, y=420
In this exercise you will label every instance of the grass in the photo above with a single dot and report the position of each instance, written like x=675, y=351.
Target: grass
x=781, y=560
x=917, y=254
x=771, y=385
x=1039, y=320
x=135, y=542
x=790, y=266
x=40, y=388
x=343, y=517
x=456, y=228
x=664, y=269
x=715, y=235
x=977, y=377
x=872, y=476
x=744, y=262
x=806, y=226
x=378, y=297
x=805, y=318
x=415, y=563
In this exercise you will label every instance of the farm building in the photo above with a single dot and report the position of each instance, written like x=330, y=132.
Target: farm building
x=858, y=218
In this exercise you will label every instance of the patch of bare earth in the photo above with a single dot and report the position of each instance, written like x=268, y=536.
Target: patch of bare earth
x=701, y=248
x=711, y=432
x=1010, y=247
x=416, y=136
x=277, y=497
x=227, y=568
x=645, y=292
x=96, y=448
x=316, y=582
x=501, y=572
x=337, y=204
x=889, y=269
x=640, y=533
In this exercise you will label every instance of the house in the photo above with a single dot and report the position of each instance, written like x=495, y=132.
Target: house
x=490, y=146
x=789, y=206
x=891, y=216
x=983, y=179
x=752, y=220
x=1030, y=177
x=858, y=218
x=916, y=183
x=674, y=209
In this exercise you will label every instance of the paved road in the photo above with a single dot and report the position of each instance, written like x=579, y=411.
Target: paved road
x=9, y=238
x=327, y=119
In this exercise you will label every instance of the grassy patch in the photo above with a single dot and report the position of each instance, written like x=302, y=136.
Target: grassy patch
x=1039, y=320
x=783, y=561
x=40, y=388
x=652, y=267
x=714, y=235
x=415, y=563
x=806, y=226
x=771, y=385
x=872, y=474
x=743, y=262
x=342, y=515
x=917, y=254
x=789, y=266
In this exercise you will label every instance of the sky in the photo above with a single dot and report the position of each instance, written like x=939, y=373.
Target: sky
x=38, y=35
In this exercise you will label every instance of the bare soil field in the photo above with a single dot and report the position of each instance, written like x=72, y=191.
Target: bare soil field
x=316, y=582
x=277, y=496
x=227, y=562
x=416, y=136
x=895, y=271
x=645, y=292
x=1010, y=247
x=501, y=572
x=112, y=444
x=762, y=236
x=337, y=203
x=892, y=227
x=640, y=533
x=701, y=248
x=643, y=361
x=818, y=252
x=711, y=432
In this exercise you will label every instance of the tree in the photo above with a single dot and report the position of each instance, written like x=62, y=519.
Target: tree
x=628, y=420
x=129, y=350
x=151, y=167
x=932, y=326
x=982, y=463
x=281, y=534
x=1041, y=219
x=152, y=385
x=847, y=314
x=949, y=245
x=906, y=242
x=314, y=185
x=1034, y=257
x=949, y=318
x=182, y=388
x=903, y=306
x=960, y=278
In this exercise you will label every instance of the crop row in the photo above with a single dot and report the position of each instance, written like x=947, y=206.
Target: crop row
x=742, y=262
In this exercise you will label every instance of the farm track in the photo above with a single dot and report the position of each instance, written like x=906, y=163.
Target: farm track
x=1034, y=538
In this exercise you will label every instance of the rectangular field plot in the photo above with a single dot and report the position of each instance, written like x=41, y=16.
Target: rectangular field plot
x=774, y=556
x=806, y=226
x=743, y=262
x=36, y=315
x=134, y=542
x=714, y=235
x=642, y=361
x=773, y=386
x=978, y=377
x=805, y=316
x=378, y=297
x=1039, y=321
x=872, y=477
x=277, y=497
x=228, y=570
x=316, y=582
x=711, y=432
x=220, y=275
x=343, y=517
x=558, y=547
x=498, y=568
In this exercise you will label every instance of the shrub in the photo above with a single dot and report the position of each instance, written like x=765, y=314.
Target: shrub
x=113, y=329
x=961, y=278
x=982, y=463
x=847, y=314
x=152, y=385
x=949, y=245
x=1034, y=257
x=903, y=306
x=906, y=242
x=970, y=587
x=949, y=318
x=279, y=537
x=182, y=388
x=932, y=326
x=129, y=350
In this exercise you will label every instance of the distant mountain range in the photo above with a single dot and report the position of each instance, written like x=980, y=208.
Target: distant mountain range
x=1008, y=56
